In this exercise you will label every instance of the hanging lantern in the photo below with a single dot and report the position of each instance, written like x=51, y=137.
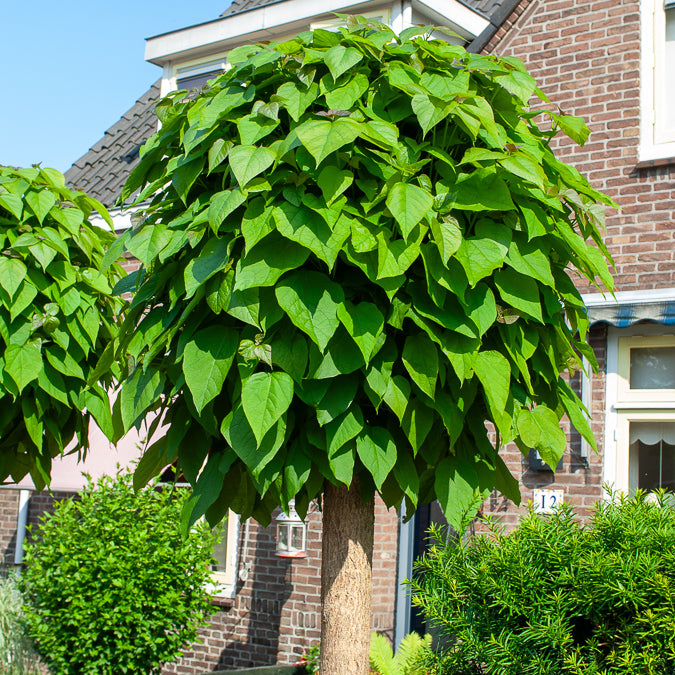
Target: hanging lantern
x=291, y=534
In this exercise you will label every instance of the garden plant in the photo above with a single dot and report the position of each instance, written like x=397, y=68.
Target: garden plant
x=17, y=656
x=556, y=596
x=57, y=314
x=110, y=583
x=356, y=249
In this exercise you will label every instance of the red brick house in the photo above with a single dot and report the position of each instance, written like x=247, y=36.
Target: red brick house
x=603, y=60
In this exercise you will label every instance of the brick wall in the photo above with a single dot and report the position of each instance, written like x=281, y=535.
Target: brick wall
x=585, y=56
x=9, y=507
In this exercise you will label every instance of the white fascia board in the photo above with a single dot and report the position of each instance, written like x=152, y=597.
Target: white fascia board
x=629, y=297
x=261, y=23
x=121, y=220
x=468, y=23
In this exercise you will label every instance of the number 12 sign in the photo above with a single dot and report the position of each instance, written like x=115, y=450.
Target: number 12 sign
x=546, y=501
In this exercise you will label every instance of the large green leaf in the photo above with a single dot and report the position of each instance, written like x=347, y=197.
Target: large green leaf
x=307, y=227
x=540, y=429
x=480, y=256
x=140, y=393
x=256, y=455
x=207, y=359
x=222, y=204
x=23, y=364
x=147, y=243
x=248, y=161
x=420, y=358
x=333, y=182
x=520, y=292
x=456, y=486
x=377, y=450
x=212, y=258
x=321, y=138
x=494, y=373
x=267, y=261
x=343, y=429
x=41, y=202
x=311, y=302
x=297, y=99
x=265, y=397
x=364, y=322
x=340, y=59
x=408, y=204
x=12, y=273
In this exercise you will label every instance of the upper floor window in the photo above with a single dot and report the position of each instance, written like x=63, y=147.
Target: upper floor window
x=657, y=84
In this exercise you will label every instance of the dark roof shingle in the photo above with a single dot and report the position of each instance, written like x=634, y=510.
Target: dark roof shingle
x=103, y=170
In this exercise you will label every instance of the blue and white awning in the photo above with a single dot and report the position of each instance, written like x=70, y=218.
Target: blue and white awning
x=629, y=307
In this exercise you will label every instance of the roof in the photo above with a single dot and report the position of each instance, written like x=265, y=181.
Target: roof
x=103, y=170
x=486, y=7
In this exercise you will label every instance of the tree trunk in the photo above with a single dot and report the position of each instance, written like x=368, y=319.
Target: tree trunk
x=346, y=580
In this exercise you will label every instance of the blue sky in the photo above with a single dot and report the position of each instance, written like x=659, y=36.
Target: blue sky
x=70, y=69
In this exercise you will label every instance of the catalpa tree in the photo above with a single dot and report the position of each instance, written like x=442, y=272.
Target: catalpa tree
x=356, y=252
x=57, y=314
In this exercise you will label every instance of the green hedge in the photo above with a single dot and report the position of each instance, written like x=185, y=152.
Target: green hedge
x=557, y=596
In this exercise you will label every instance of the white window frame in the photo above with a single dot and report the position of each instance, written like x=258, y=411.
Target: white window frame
x=655, y=141
x=224, y=584
x=175, y=71
x=624, y=405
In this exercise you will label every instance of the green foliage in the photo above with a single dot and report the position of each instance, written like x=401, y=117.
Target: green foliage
x=356, y=251
x=57, y=314
x=311, y=659
x=556, y=596
x=16, y=653
x=408, y=659
x=110, y=584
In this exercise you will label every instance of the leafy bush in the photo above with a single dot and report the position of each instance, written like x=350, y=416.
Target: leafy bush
x=557, y=596
x=110, y=584
x=16, y=654
x=408, y=659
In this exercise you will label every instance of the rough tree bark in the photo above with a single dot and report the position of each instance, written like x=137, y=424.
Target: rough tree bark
x=346, y=580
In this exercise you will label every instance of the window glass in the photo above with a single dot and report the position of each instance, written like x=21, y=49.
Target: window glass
x=669, y=72
x=652, y=455
x=196, y=81
x=220, y=549
x=652, y=368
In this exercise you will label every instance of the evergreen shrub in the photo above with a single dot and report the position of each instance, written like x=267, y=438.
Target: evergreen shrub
x=110, y=584
x=557, y=595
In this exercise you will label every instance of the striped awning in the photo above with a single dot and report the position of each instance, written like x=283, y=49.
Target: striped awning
x=631, y=307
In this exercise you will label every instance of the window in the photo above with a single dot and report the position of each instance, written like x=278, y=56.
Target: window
x=192, y=75
x=645, y=413
x=657, y=86
x=224, y=571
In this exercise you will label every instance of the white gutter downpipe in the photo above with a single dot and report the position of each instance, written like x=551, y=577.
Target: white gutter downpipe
x=22, y=522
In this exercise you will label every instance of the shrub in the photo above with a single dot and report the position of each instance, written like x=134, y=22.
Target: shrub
x=110, y=584
x=557, y=596
x=16, y=654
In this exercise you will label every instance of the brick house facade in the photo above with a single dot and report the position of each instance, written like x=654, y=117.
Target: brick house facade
x=589, y=59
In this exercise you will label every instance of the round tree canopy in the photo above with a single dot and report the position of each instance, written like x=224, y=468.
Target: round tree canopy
x=57, y=315
x=356, y=254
